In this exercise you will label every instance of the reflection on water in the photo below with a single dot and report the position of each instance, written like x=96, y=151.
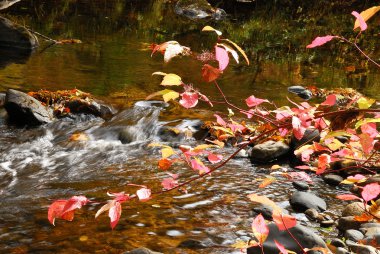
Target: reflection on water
x=40, y=165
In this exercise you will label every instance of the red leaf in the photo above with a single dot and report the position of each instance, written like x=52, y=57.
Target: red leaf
x=319, y=41
x=114, y=213
x=363, y=25
x=214, y=158
x=367, y=143
x=260, y=228
x=198, y=165
x=252, y=101
x=347, y=197
x=222, y=57
x=144, y=194
x=330, y=100
x=370, y=191
x=281, y=247
x=220, y=120
x=283, y=221
x=189, y=99
x=303, y=176
x=75, y=202
x=169, y=183
x=64, y=209
x=323, y=162
x=370, y=129
x=210, y=73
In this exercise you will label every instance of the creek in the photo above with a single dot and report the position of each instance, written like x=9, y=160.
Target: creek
x=40, y=165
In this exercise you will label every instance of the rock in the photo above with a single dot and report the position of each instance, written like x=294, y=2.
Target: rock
x=369, y=229
x=2, y=99
x=353, y=209
x=353, y=235
x=327, y=223
x=301, y=201
x=311, y=134
x=7, y=3
x=142, y=251
x=337, y=242
x=374, y=238
x=304, y=235
x=301, y=186
x=301, y=91
x=93, y=108
x=311, y=213
x=15, y=36
x=341, y=250
x=198, y=9
x=265, y=210
x=186, y=129
x=25, y=110
x=191, y=244
x=268, y=151
x=360, y=248
x=333, y=179
x=348, y=222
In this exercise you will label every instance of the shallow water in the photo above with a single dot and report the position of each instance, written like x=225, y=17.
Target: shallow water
x=38, y=166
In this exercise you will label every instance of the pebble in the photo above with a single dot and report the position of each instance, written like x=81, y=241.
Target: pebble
x=348, y=222
x=337, y=242
x=353, y=235
x=301, y=186
x=333, y=179
x=311, y=214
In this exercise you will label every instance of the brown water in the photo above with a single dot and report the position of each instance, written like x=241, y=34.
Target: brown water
x=40, y=165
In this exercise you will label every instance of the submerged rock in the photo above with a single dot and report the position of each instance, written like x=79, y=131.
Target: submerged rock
x=304, y=235
x=15, y=36
x=301, y=201
x=268, y=151
x=198, y=9
x=23, y=109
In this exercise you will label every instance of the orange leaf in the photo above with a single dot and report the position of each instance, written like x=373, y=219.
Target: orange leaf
x=164, y=164
x=266, y=182
x=363, y=217
x=264, y=200
x=210, y=73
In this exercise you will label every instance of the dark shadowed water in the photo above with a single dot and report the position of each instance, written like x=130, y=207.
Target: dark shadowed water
x=38, y=166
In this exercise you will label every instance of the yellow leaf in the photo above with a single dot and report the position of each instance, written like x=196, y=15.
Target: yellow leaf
x=171, y=79
x=239, y=49
x=335, y=145
x=203, y=147
x=159, y=73
x=167, y=152
x=240, y=245
x=162, y=92
x=366, y=15
x=364, y=103
x=264, y=200
x=172, y=95
x=216, y=142
x=230, y=50
x=266, y=182
x=211, y=29
x=275, y=167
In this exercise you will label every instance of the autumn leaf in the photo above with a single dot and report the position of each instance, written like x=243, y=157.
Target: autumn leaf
x=266, y=182
x=114, y=212
x=198, y=165
x=211, y=29
x=210, y=73
x=189, y=99
x=260, y=228
x=230, y=50
x=167, y=95
x=64, y=209
x=164, y=164
x=281, y=247
x=319, y=41
x=144, y=194
x=330, y=100
x=283, y=221
x=370, y=191
x=167, y=152
x=238, y=48
x=366, y=142
x=360, y=20
x=263, y=200
x=220, y=120
x=366, y=15
x=214, y=158
x=323, y=163
x=364, y=217
x=252, y=101
x=222, y=57
x=169, y=183
x=364, y=103
x=347, y=197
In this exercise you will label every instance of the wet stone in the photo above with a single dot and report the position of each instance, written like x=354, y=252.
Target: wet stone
x=333, y=179
x=301, y=201
x=327, y=223
x=353, y=235
x=360, y=248
x=348, y=222
x=341, y=250
x=311, y=213
x=337, y=242
x=353, y=209
x=268, y=151
x=301, y=186
x=191, y=244
x=142, y=251
x=15, y=36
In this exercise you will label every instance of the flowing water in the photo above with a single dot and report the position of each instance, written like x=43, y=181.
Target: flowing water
x=40, y=165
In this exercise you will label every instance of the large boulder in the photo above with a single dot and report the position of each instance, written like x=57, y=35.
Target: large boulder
x=268, y=151
x=198, y=9
x=305, y=236
x=23, y=109
x=15, y=36
x=301, y=201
